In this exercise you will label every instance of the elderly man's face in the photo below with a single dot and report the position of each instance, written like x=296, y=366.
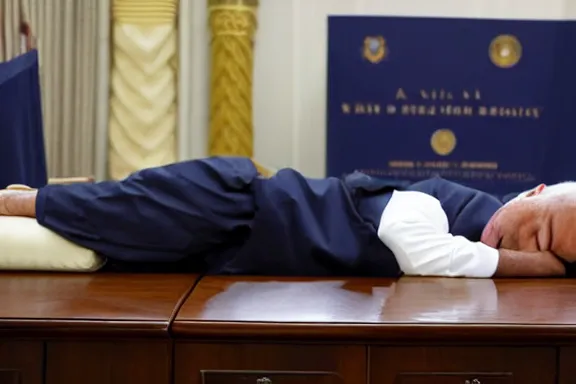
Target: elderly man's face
x=542, y=219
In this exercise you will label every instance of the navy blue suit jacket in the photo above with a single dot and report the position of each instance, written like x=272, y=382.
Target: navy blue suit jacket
x=221, y=215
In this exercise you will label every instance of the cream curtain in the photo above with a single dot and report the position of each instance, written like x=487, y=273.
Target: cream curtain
x=66, y=33
x=143, y=86
x=13, y=17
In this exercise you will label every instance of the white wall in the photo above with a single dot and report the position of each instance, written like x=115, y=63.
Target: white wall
x=571, y=9
x=290, y=68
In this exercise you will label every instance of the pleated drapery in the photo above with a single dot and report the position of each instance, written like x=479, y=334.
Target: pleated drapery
x=15, y=35
x=66, y=35
x=110, y=80
x=143, y=98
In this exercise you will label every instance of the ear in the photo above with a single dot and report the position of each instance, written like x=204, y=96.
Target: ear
x=536, y=191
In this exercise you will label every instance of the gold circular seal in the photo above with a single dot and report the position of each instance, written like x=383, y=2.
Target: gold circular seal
x=505, y=51
x=443, y=142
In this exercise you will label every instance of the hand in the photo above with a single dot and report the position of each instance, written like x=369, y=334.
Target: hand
x=529, y=264
x=18, y=203
x=5, y=196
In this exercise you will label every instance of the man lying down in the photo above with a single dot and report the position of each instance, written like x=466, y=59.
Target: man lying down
x=223, y=212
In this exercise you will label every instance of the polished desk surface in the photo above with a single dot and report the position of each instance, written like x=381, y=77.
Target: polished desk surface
x=92, y=303
x=405, y=309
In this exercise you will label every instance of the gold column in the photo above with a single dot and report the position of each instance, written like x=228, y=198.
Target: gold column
x=233, y=25
x=143, y=116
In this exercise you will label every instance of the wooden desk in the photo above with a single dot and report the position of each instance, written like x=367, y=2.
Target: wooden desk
x=88, y=328
x=410, y=331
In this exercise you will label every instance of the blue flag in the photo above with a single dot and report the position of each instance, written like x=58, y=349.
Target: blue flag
x=22, y=152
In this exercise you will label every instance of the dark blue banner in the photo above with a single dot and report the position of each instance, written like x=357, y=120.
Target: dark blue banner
x=22, y=155
x=488, y=103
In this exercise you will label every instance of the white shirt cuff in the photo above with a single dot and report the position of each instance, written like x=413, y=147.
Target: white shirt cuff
x=488, y=262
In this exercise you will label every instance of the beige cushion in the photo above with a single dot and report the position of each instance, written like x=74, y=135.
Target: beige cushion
x=27, y=246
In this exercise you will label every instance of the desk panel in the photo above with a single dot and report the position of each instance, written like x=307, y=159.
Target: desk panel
x=82, y=304
x=109, y=362
x=21, y=362
x=439, y=310
x=462, y=365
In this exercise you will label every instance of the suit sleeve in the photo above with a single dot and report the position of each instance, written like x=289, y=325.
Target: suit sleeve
x=415, y=228
x=159, y=214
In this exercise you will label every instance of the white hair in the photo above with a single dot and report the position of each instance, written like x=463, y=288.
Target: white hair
x=559, y=189
x=564, y=188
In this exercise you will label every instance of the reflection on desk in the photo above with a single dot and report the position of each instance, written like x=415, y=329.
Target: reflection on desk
x=380, y=306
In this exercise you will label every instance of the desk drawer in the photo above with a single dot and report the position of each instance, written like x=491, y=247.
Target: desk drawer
x=453, y=378
x=21, y=362
x=9, y=376
x=462, y=365
x=240, y=363
x=146, y=361
x=270, y=377
x=567, y=366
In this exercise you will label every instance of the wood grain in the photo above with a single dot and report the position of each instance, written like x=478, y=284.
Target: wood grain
x=109, y=362
x=57, y=304
x=21, y=362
